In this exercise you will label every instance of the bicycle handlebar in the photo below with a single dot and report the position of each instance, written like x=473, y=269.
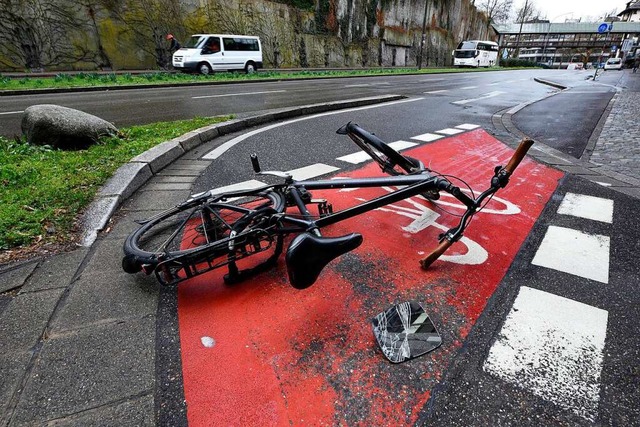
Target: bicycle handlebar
x=517, y=157
x=435, y=254
x=454, y=234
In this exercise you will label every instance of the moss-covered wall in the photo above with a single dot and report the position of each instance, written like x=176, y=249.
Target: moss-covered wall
x=294, y=33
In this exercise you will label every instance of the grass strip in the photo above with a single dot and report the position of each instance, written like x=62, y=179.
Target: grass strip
x=44, y=190
x=82, y=79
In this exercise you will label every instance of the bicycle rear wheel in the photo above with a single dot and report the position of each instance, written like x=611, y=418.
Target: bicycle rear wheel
x=195, y=228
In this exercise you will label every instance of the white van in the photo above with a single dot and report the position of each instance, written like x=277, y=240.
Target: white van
x=205, y=53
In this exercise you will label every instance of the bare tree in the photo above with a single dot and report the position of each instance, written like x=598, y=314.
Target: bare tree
x=527, y=12
x=496, y=10
x=149, y=22
x=38, y=33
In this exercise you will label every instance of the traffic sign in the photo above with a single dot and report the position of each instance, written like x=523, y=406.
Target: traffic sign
x=603, y=27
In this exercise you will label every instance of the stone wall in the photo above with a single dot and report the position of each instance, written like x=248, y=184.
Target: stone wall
x=129, y=34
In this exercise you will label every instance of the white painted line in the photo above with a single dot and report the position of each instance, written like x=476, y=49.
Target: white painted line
x=485, y=96
x=401, y=145
x=450, y=131
x=359, y=85
x=437, y=91
x=236, y=94
x=604, y=184
x=214, y=154
x=311, y=171
x=494, y=84
x=427, y=137
x=574, y=252
x=553, y=347
x=369, y=84
x=361, y=156
x=469, y=87
x=246, y=185
x=355, y=158
x=11, y=112
x=589, y=207
x=468, y=126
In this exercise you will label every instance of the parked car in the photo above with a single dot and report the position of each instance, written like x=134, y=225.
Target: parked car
x=613, y=64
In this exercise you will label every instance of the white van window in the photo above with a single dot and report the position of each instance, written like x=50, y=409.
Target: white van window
x=240, y=44
x=193, y=42
x=212, y=45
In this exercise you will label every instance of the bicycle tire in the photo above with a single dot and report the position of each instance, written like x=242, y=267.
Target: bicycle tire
x=192, y=227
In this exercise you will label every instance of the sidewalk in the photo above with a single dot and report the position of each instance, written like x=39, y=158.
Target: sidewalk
x=83, y=343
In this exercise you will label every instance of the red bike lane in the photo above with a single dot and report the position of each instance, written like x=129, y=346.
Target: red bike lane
x=263, y=353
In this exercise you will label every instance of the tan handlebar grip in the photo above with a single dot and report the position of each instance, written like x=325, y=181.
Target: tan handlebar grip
x=517, y=157
x=435, y=254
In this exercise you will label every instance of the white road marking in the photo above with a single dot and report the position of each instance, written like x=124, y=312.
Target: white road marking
x=236, y=94
x=604, y=184
x=589, y=207
x=11, y=112
x=469, y=87
x=245, y=185
x=311, y=171
x=485, y=96
x=468, y=126
x=369, y=84
x=361, y=156
x=574, y=252
x=553, y=347
x=214, y=154
x=450, y=131
x=432, y=92
x=427, y=137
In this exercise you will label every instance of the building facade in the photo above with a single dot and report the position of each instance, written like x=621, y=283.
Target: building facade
x=559, y=44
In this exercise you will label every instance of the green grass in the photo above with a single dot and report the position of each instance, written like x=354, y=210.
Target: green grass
x=105, y=80
x=43, y=190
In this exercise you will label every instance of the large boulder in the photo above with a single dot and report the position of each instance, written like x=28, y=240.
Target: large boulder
x=63, y=127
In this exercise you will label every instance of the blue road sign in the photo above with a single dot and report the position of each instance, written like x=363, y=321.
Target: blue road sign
x=603, y=27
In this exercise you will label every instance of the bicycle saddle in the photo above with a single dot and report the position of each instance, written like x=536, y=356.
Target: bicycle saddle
x=308, y=254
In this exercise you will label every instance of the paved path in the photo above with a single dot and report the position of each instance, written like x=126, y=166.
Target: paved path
x=79, y=338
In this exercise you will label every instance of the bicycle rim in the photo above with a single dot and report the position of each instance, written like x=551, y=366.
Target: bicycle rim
x=187, y=229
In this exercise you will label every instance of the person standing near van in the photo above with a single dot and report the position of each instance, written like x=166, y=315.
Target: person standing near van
x=175, y=44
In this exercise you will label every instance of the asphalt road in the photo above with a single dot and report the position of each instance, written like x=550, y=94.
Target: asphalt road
x=132, y=107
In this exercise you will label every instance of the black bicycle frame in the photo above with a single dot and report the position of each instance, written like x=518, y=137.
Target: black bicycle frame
x=412, y=186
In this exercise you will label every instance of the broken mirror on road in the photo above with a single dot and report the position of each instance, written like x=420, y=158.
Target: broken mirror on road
x=405, y=332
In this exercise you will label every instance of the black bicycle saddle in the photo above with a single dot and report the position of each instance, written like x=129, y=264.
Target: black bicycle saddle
x=308, y=254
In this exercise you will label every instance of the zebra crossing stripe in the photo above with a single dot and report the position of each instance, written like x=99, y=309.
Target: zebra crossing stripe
x=450, y=131
x=427, y=137
x=553, y=347
x=589, y=207
x=584, y=255
x=468, y=126
x=361, y=156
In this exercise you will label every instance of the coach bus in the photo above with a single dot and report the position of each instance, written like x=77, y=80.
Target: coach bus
x=475, y=53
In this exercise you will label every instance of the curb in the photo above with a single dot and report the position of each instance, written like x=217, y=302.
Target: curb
x=132, y=175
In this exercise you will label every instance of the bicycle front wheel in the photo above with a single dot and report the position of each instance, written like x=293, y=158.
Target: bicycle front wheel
x=193, y=227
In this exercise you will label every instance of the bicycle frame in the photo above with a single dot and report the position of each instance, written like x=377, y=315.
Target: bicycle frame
x=412, y=186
